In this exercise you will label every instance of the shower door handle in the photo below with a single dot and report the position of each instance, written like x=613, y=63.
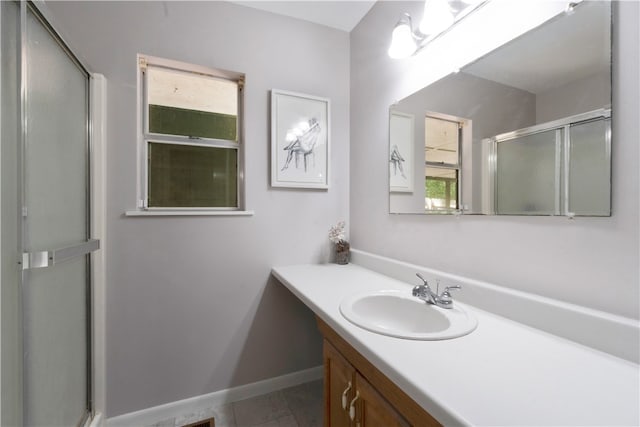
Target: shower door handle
x=42, y=259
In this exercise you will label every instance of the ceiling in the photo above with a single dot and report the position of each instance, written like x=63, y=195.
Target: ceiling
x=343, y=15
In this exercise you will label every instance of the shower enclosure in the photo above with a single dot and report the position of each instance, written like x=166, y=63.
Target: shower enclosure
x=45, y=215
x=555, y=168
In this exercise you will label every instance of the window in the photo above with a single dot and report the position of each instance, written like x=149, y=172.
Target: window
x=442, y=162
x=441, y=188
x=190, y=136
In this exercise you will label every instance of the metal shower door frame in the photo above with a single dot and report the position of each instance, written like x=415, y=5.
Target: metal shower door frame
x=50, y=257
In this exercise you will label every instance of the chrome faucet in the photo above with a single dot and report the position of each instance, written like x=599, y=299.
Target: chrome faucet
x=425, y=293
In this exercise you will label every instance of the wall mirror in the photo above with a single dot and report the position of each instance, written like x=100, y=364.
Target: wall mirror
x=524, y=130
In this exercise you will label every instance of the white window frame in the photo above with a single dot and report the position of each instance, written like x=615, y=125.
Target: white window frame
x=145, y=137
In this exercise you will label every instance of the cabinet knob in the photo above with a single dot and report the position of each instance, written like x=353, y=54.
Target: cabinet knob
x=344, y=396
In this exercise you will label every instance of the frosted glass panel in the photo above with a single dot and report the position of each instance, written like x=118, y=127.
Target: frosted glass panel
x=526, y=175
x=55, y=180
x=590, y=169
x=55, y=335
x=56, y=163
x=11, y=357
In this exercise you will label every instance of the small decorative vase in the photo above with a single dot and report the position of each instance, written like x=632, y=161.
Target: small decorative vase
x=342, y=252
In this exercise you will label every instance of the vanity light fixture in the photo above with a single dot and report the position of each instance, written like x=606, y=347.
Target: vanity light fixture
x=404, y=41
x=438, y=17
x=571, y=6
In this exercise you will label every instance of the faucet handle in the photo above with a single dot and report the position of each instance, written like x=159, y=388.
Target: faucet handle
x=423, y=279
x=452, y=288
x=445, y=296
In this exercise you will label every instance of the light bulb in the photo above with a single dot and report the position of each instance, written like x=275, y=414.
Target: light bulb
x=437, y=17
x=403, y=44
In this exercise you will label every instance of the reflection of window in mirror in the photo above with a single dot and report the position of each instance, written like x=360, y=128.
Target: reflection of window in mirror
x=442, y=150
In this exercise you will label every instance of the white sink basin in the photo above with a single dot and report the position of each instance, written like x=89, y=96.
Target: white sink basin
x=401, y=315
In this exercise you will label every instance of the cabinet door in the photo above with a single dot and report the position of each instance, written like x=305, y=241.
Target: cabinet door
x=373, y=409
x=339, y=378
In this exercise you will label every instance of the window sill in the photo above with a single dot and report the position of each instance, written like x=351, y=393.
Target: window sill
x=168, y=212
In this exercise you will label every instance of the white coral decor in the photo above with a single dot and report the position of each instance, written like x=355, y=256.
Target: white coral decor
x=336, y=233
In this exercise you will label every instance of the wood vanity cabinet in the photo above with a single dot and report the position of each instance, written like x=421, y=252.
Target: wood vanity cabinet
x=357, y=394
x=339, y=383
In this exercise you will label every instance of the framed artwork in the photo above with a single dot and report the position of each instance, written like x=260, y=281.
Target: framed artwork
x=299, y=140
x=401, y=133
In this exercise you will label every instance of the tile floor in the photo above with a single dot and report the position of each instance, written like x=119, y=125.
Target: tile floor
x=299, y=406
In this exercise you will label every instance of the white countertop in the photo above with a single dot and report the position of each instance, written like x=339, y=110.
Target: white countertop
x=503, y=373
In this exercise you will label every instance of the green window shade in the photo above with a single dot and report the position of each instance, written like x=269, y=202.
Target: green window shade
x=191, y=104
x=203, y=124
x=187, y=176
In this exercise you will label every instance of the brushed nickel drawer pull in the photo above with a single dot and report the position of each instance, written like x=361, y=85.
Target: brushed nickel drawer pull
x=344, y=396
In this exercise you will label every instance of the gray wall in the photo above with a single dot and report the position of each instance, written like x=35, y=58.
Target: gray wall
x=191, y=307
x=587, y=261
x=586, y=94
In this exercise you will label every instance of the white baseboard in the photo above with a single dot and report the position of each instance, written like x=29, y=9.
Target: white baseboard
x=175, y=409
x=616, y=335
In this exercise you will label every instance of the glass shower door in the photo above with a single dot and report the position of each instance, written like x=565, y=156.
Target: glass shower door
x=589, y=189
x=527, y=174
x=55, y=230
